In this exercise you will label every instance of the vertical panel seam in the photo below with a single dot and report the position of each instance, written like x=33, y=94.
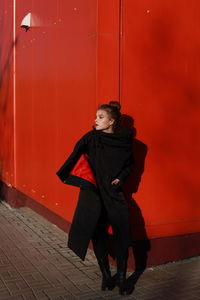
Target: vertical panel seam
x=97, y=54
x=14, y=93
x=120, y=49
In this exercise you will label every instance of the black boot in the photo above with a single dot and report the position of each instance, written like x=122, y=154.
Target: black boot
x=121, y=276
x=108, y=282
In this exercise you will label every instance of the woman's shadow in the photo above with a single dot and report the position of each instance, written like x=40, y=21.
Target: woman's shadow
x=140, y=242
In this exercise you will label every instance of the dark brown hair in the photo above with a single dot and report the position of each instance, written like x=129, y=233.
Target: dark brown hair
x=113, y=109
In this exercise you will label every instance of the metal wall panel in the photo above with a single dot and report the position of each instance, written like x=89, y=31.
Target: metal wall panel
x=7, y=43
x=108, y=43
x=160, y=86
x=56, y=93
x=78, y=54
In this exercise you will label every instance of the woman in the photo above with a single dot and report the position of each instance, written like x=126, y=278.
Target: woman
x=99, y=165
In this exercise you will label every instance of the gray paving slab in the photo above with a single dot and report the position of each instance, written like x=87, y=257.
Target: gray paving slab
x=35, y=263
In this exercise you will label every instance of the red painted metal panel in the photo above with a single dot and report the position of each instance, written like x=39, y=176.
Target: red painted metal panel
x=108, y=51
x=78, y=54
x=160, y=90
x=6, y=92
x=56, y=90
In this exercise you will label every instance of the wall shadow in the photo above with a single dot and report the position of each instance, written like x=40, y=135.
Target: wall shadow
x=140, y=242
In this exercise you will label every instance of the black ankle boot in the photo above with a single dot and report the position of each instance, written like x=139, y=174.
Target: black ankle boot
x=121, y=276
x=121, y=282
x=107, y=281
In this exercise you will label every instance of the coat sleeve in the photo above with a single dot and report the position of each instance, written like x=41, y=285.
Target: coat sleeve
x=128, y=167
x=78, y=150
x=126, y=170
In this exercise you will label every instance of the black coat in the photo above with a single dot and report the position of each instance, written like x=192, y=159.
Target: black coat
x=97, y=159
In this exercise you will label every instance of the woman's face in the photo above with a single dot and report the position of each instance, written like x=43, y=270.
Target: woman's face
x=103, y=121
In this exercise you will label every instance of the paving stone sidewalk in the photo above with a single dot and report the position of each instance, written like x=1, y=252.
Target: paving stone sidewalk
x=35, y=263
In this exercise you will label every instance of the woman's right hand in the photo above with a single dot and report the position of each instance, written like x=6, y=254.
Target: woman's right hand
x=116, y=181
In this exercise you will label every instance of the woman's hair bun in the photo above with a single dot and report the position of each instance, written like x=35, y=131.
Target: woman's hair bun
x=115, y=104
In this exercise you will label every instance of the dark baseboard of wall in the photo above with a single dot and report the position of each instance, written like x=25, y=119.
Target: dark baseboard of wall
x=143, y=253
x=17, y=199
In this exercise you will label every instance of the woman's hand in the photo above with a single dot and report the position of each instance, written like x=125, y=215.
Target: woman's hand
x=116, y=181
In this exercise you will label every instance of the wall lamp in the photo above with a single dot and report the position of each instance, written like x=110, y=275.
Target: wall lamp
x=26, y=22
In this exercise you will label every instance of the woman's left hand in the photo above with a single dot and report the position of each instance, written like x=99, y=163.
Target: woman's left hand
x=116, y=181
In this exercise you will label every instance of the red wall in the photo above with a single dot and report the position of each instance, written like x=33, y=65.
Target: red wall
x=7, y=43
x=56, y=83
x=78, y=54
x=160, y=88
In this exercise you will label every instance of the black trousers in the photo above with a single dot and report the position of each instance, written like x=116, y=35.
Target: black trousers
x=118, y=218
x=90, y=221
